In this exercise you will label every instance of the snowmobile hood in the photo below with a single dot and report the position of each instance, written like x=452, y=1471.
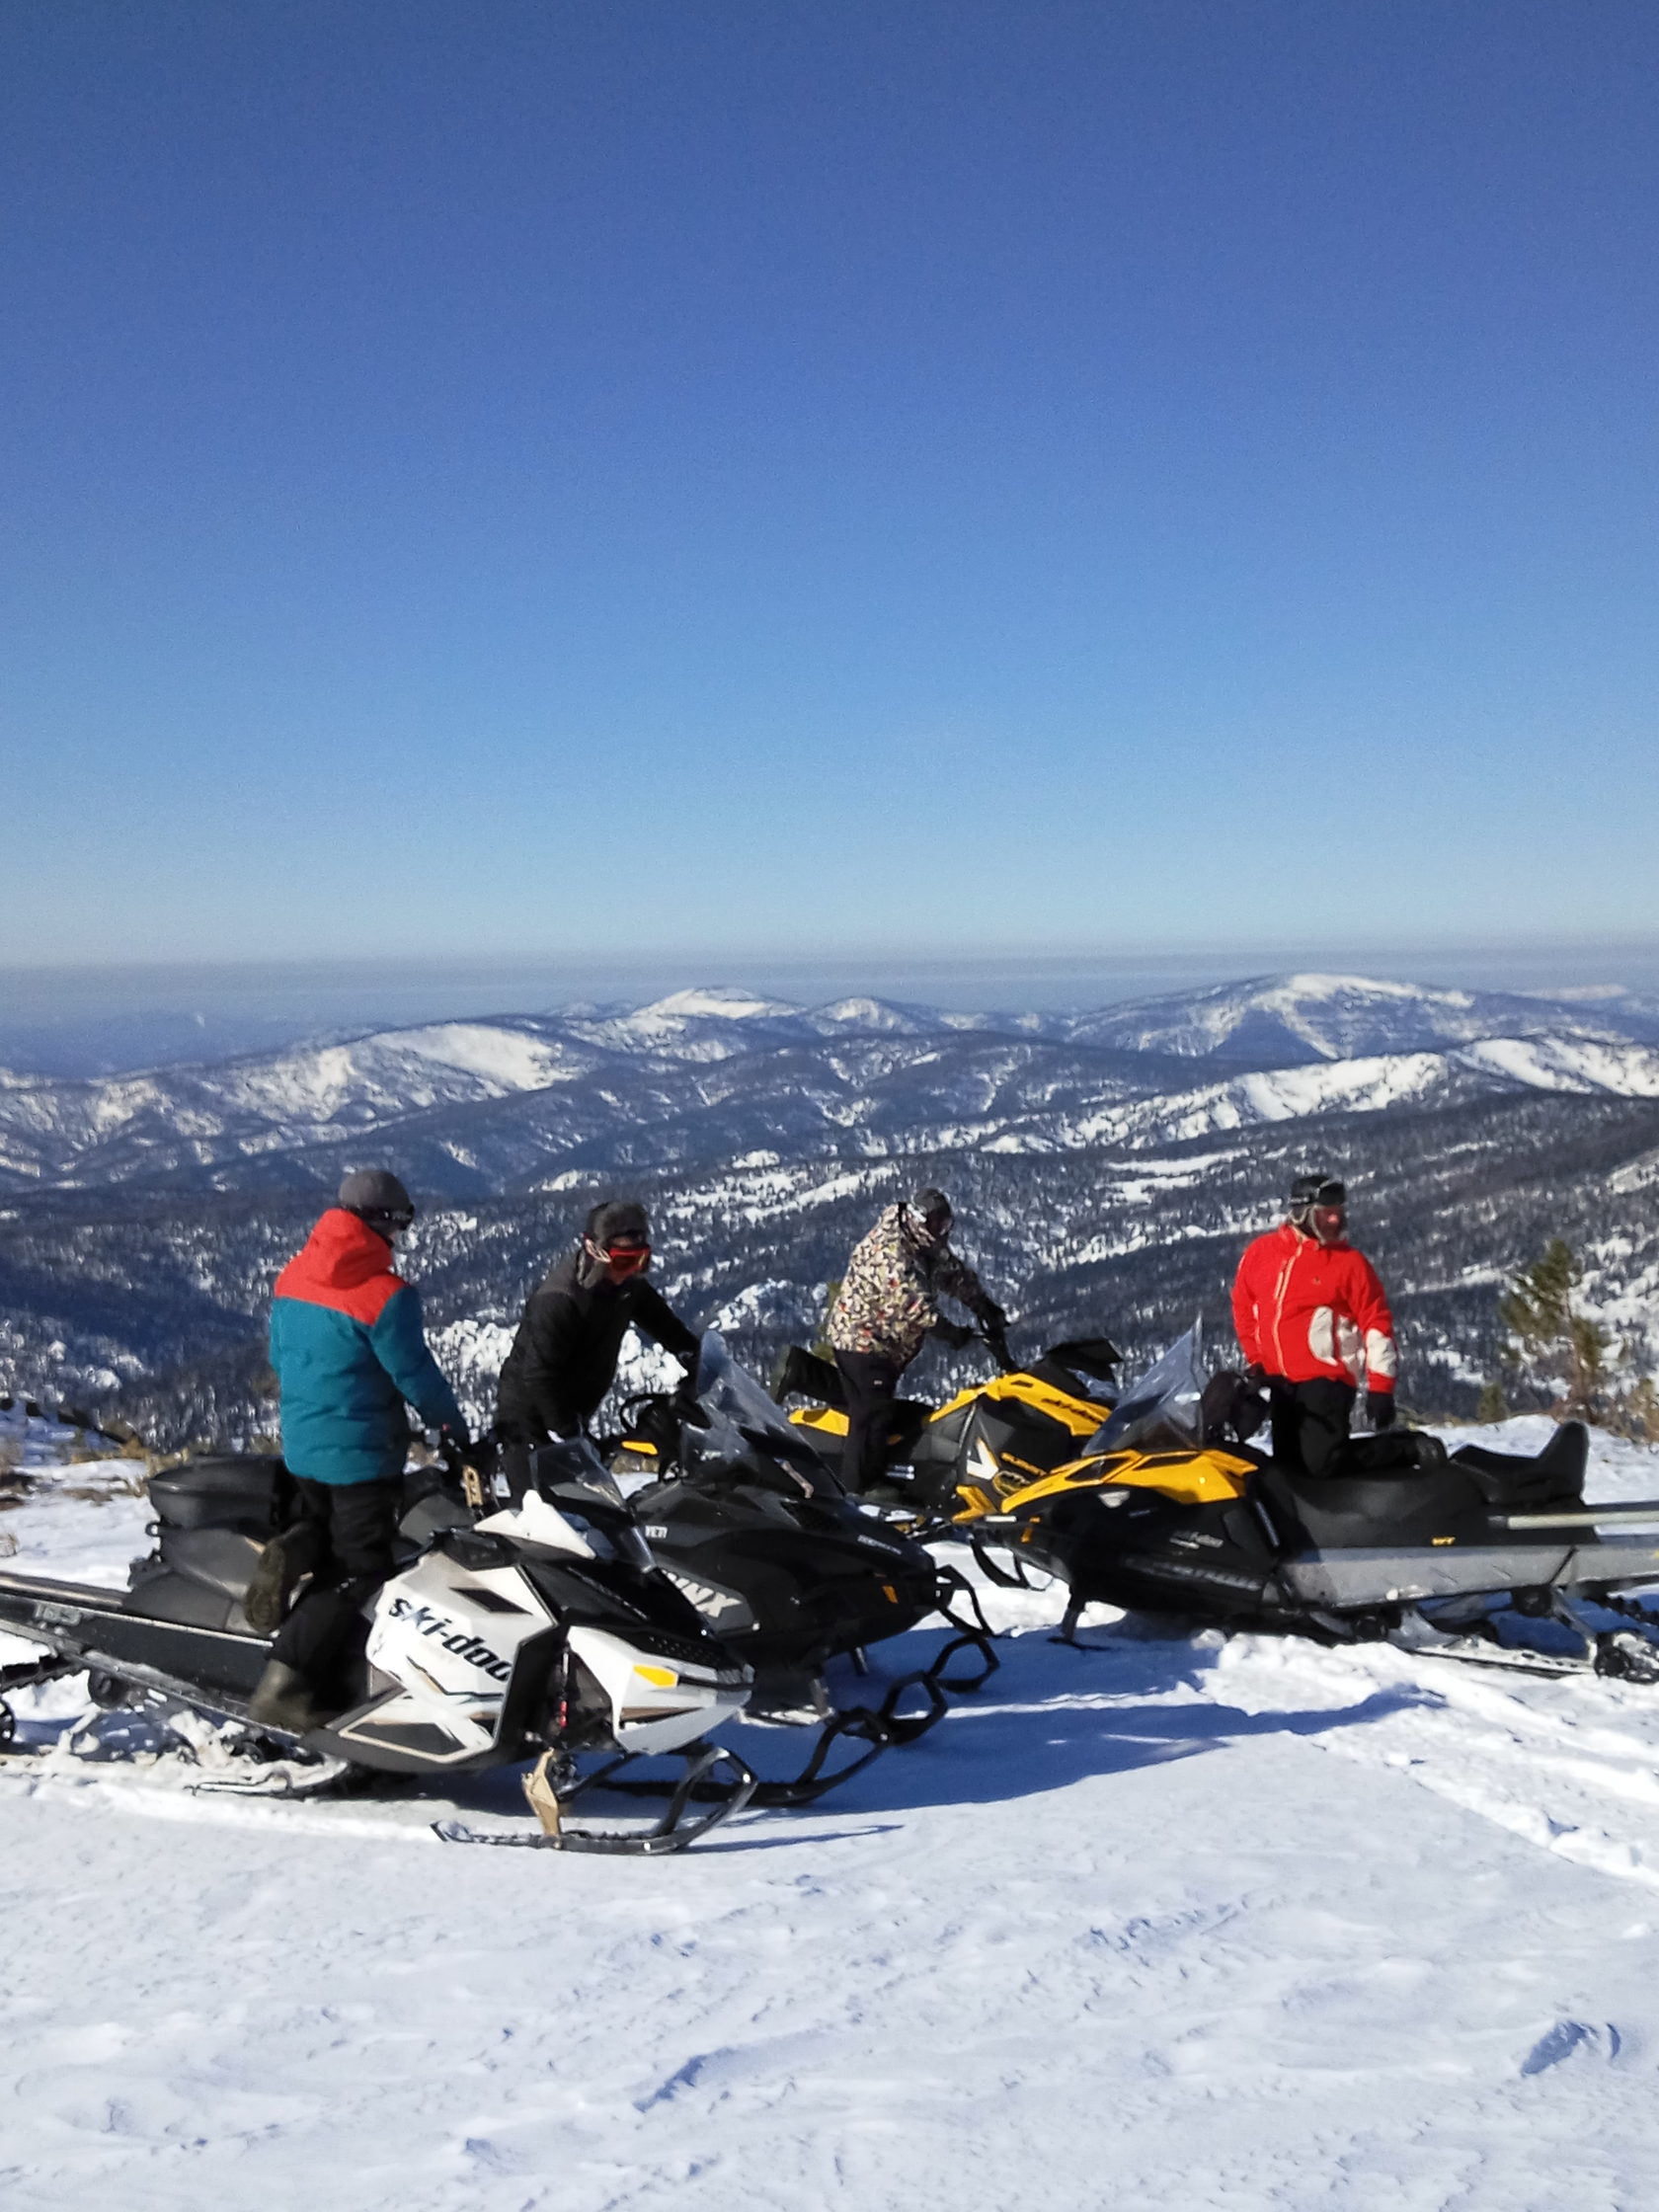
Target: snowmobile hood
x=341, y=1253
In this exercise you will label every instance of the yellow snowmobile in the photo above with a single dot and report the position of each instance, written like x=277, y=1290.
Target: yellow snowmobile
x=1011, y=1431
x=1168, y=1508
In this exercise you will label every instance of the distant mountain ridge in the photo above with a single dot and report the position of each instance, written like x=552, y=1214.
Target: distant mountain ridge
x=478, y=1106
x=1107, y=1167
x=1283, y=1021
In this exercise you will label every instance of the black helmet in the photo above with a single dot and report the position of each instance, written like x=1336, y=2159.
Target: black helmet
x=1318, y=1190
x=1314, y=1194
x=930, y=1216
x=377, y=1198
x=618, y=1220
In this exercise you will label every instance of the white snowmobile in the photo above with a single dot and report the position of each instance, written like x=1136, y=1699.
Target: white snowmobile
x=535, y=1629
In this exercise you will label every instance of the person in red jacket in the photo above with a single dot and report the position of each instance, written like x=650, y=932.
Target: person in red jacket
x=1313, y=1321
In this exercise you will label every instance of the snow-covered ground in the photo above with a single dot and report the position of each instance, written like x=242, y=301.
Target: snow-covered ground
x=1166, y=1924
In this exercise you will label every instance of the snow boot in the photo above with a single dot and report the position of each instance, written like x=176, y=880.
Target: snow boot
x=282, y=1699
x=797, y=1372
x=271, y=1586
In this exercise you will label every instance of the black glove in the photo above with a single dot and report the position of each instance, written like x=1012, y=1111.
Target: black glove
x=991, y=1317
x=1380, y=1408
x=1255, y=1376
x=453, y=1444
x=998, y=1338
x=952, y=1333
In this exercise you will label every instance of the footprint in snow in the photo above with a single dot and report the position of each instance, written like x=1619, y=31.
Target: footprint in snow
x=1566, y=2037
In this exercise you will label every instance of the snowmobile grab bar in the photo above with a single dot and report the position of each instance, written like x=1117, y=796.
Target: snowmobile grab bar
x=1644, y=1513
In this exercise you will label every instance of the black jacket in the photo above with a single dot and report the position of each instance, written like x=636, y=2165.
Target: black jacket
x=564, y=1358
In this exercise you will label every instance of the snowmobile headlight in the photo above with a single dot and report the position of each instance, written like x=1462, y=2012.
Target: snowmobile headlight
x=659, y=1678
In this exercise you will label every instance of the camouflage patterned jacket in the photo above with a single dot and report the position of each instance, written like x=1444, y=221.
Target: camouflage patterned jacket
x=888, y=1298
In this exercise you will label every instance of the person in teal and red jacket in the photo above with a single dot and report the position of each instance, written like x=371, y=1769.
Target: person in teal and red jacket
x=348, y=1349
x=1313, y=1323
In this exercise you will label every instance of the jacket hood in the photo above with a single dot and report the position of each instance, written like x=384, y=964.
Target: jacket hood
x=343, y=1252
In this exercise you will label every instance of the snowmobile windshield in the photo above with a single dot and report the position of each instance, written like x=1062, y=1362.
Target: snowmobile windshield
x=1162, y=1407
x=571, y=1468
x=742, y=1418
x=572, y=1479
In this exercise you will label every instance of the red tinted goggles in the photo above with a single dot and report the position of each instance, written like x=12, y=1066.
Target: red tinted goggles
x=627, y=1259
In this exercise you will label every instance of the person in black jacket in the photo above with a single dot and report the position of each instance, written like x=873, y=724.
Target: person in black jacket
x=564, y=1357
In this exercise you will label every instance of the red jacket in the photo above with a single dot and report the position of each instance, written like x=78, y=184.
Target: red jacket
x=1304, y=1310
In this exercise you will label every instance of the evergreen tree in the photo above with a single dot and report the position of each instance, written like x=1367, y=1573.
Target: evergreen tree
x=1493, y=1405
x=1553, y=1340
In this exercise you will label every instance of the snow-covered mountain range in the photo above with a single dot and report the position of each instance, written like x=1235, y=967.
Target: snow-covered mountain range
x=1107, y=1167
x=477, y=1106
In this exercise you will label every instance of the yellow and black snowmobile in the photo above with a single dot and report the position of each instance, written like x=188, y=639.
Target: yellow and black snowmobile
x=1169, y=1509
x=1014, y=1429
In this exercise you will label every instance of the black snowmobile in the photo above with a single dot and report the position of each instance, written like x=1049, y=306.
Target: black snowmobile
x=513, y=1629
x=756, y=1532
x=1022, y=1424
x=1170, y=1509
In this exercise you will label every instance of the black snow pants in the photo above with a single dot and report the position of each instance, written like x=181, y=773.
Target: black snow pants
x=871, y=1380
x=344, y=1536
x=1309, y=1420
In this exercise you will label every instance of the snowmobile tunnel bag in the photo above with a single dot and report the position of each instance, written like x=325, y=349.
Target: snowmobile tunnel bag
x=250, y=1492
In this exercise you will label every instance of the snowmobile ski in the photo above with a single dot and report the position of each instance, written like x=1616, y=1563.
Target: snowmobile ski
x=672, y=1831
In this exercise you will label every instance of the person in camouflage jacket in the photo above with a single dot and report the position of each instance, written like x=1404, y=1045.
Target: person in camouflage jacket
x=886, y=1309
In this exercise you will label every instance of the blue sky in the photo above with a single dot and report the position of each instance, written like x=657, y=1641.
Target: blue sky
x=824, y=479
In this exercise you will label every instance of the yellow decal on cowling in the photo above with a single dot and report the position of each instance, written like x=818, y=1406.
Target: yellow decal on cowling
x=1082, y=1416
x=659, y=1678
x=1204, y=1477
x=825, y=1418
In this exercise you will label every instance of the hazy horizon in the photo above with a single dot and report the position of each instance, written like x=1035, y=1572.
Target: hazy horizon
x=103, y=1019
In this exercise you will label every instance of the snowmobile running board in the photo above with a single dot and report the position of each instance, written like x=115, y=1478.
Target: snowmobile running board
x=1641, y=1514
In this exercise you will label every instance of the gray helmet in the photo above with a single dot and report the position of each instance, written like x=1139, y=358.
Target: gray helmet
x=377, y=1198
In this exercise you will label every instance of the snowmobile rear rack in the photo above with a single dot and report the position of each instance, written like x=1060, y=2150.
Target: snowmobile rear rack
x=1643, y=1513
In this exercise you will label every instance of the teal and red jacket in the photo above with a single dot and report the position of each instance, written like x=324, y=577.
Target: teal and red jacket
x=348, y=1348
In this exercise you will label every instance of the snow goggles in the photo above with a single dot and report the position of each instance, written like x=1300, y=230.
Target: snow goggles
x=387, y=1220
x=626, y=1259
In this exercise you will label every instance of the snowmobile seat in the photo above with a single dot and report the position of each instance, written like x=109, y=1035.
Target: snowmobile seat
x=1407, y=1506
x=1555, y=1476
x=196, y=1577
x=249, y=1492
x=161, y=1596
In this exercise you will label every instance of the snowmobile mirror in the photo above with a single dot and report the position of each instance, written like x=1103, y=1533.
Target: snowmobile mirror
x=1229, y=1408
